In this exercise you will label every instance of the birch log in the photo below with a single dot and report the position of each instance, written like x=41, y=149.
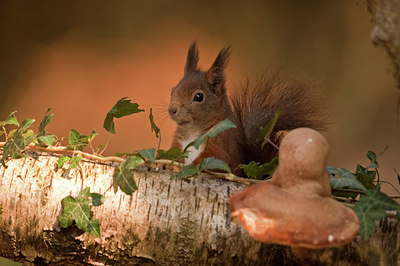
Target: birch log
x=164, y=222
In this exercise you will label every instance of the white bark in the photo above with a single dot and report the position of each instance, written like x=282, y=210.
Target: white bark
x=164, y=222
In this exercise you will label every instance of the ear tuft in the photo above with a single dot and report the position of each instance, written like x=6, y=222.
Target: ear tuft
x=192, y=58
x=215, y=75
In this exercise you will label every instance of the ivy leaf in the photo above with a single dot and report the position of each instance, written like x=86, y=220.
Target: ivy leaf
x=371, y=208
x=92, y=135
x=29, y=136
x=47, y=140
x=265, y=132
x=148, y=154
x=74, y=137
x=255, y=170
x=173, y=153
x=188, y=171
x=122, y=108
x=343, y=179
x=24, y=126
x=212, y=132
x=373, y=157
x=74, y=162
x=212, y=163
x=79, y=210
x=153, y=125
x=76, y=140
x=366, y=177
x=46, y=120
x=367, y=217
x=97, y=199
x=123, y=175
x=331, y=171
x=62, y=160
x=11, y=119
x=109, y=123
x=14, y=146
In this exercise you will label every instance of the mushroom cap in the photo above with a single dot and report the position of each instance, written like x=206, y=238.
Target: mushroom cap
x=302, y=157
x=296, y=207
x=276, y=215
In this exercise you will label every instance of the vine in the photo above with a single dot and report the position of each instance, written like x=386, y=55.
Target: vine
x=360, y=190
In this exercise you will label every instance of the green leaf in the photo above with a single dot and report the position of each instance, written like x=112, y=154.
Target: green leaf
x=46, y=120
x=123, y=175
x=76, y=140
x=257, y=171
x=153, y=125
x=188, y=171
x=97, y=199
x=265, y=132
x=331, y=171
x=79, y=210
x=29, y=136
x=15, y=146
x=122, y=108
x=47, y=140
x=11, y=119
x=148, y=154
x=74, y=137
x=371, y=208
x=74, y=162
x=212, y=163
x=92, y=135
x=366, y=177
x=109, y=123
x=25, y=125
x=367, y=218
x=372, y=156
x=173, y=153
x=62, y=160
x=213, y=132
x=343, y=179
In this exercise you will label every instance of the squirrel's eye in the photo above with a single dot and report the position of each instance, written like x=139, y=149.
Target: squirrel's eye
x=198, y=97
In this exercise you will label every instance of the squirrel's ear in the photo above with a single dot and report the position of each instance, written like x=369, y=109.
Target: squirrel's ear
x=192, y=58
x=215, y=75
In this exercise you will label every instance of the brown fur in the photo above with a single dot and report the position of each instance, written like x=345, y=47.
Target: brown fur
x=254, y=105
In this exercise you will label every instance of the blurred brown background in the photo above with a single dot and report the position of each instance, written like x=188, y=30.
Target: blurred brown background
x=80, y=57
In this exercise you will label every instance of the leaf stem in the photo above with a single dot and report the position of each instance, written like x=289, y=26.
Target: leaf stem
x=273, y=144
x=5, y=133
x=105, y=145
x=386, y=182
x=378, y=175
x=234, y=178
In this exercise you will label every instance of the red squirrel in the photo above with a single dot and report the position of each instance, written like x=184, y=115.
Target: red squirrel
x=199, y=101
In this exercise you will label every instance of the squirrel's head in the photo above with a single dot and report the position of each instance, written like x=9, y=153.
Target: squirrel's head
x=199, y=100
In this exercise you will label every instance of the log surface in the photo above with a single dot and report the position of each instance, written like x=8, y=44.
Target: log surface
x=165, y=222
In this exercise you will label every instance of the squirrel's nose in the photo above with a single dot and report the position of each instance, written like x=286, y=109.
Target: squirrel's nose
x=172, y=110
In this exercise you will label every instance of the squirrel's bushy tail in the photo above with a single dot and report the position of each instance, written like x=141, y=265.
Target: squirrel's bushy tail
x=255, y=103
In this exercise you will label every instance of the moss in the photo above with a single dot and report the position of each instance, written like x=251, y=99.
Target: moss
x=184, y=242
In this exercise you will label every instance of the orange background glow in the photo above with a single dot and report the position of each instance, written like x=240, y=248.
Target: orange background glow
x=80, y=57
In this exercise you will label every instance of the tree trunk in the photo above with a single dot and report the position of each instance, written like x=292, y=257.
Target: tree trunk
x=165, y=222
x=386, y=33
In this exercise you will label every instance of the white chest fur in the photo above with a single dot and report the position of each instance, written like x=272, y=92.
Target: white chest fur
x=193, y=152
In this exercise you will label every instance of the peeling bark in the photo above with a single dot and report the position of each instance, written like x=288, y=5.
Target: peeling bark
x=164, y=222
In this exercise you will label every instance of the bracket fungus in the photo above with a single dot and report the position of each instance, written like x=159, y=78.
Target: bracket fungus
x=296, y=207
